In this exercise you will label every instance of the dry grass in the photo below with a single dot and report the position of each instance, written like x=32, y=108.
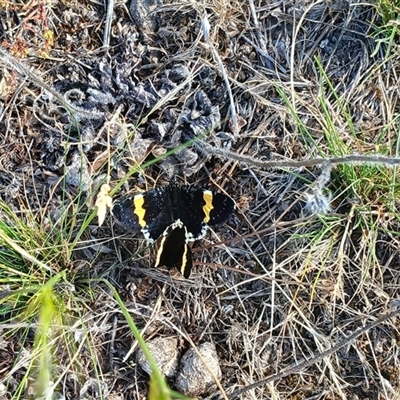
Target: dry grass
x=276, y=285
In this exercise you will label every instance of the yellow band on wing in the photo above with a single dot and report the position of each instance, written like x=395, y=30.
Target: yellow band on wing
x=208, y=198
x=160, y=251
x=138, y=202
x=182, y=268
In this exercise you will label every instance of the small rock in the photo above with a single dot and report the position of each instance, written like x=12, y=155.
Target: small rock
x=194, y=378
x=165, y=353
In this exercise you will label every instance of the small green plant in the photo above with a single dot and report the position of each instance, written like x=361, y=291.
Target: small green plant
x=388, y=10
x=387, y=30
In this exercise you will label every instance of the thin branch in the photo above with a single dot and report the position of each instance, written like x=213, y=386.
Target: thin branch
x=349, y=159
x=107, y=27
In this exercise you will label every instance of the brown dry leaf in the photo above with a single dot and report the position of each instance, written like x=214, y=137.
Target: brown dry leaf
x=99, y=161
x=241, y=122
x=6, y=85
x=102, y=202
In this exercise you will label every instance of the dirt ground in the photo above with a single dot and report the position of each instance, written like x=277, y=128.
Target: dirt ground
x=140, y=93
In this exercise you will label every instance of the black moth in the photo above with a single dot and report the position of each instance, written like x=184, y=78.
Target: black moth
x=173, y=216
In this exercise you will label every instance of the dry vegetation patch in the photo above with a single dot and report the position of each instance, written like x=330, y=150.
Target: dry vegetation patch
x=139, y=94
